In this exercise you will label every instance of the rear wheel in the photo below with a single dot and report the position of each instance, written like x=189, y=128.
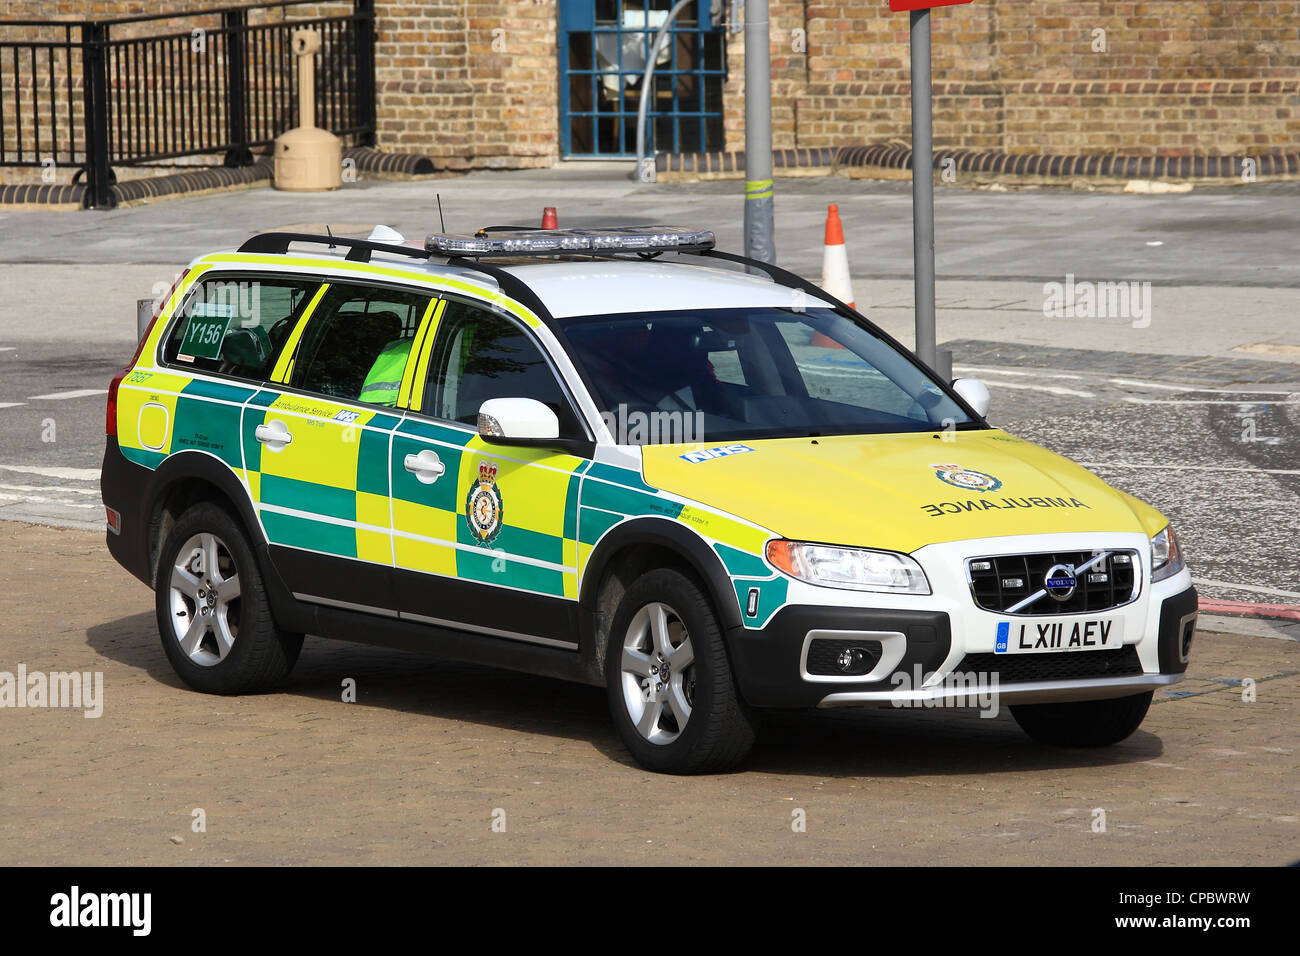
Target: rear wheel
x=671, y=690
x=1083, y=723
x=213, y=615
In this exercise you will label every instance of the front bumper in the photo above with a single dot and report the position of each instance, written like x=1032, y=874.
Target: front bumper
x=935, y=650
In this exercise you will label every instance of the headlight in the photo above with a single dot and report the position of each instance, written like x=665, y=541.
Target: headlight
x=1166, y=556
x=855, y=568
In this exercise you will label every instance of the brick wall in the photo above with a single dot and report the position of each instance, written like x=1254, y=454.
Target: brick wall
x=474, y=82
x=1146, y=77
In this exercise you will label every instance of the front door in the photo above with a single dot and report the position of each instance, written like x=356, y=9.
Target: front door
x=484, y=535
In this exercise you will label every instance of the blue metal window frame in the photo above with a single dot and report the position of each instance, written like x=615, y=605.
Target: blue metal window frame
x=579, y=16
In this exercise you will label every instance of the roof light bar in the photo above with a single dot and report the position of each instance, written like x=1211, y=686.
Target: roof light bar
x=551, y=242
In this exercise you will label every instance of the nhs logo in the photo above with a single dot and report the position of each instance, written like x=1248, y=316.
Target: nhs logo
x=708, y=454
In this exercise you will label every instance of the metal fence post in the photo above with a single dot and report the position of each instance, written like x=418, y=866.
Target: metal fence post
x=94, y=65
x=234, y=23
x=366, y=92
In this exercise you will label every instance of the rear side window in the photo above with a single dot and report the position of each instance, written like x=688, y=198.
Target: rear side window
x=357, y=343
x=237, y=325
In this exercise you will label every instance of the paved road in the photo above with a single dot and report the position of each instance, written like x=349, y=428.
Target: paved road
x=413, y=772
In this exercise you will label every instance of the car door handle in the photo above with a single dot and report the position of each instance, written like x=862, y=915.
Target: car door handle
x=274, y=435
x=426, y=466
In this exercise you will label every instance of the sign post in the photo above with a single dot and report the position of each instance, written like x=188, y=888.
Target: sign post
x=759, y=242
x=923, y=176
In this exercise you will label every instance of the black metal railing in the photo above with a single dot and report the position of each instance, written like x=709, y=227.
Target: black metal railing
x=156, y=87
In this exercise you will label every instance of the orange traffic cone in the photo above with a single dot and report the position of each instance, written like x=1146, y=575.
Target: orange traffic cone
x=549, y=219
x=835, y=269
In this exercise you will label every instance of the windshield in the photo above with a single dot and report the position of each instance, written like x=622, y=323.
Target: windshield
x=719, y=375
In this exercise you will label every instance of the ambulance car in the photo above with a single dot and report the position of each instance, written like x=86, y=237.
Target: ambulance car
x=619, y=457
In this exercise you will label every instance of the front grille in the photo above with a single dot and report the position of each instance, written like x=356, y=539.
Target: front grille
x=824, y=654
x=1000, y=582
x=1058, y=665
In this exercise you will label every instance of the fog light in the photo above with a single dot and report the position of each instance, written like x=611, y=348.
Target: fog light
x=849, y=659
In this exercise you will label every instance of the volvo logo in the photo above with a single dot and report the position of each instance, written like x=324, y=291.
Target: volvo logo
x=1060, y=581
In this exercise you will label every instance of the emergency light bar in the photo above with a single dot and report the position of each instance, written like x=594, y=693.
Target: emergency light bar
x=549, y=242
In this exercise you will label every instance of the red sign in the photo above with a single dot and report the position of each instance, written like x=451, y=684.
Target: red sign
x=897, y=5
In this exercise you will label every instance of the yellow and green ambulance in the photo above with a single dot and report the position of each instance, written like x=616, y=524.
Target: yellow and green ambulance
x=620, y=457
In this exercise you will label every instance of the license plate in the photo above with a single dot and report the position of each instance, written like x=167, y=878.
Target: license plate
x=1047, y=637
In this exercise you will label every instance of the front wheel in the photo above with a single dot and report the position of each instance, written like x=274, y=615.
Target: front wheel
x=1083, y=723
x=671, y=690
x=213, y=615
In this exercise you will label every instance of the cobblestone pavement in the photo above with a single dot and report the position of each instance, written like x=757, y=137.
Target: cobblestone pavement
x=414, y=770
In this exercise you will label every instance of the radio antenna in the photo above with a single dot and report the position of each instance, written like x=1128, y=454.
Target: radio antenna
x=440, y=219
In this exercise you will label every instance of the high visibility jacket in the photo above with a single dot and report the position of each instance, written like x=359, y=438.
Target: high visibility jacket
x=385, y=376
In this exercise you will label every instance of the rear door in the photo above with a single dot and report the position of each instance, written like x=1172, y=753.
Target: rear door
x=318, y=444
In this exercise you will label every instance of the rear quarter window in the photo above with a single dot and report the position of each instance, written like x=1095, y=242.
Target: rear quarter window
x=236, y=325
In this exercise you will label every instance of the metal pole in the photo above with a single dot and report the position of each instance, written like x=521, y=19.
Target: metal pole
x=364, y=10
x=759, y=241
x=645, y=173
x=99, y=175
x=922, y=189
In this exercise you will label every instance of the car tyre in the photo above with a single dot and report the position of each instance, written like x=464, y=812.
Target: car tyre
x=1083, y=723
x=671, y=691
x=213, y=615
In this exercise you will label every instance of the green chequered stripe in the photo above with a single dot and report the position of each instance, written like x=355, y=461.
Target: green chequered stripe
x=742, y=563
x=142, y=456
x=222, y=391
x=308, y=496
x=295, y=532
x=442, y=494
x=372, y=461
x=208, y=426
x=500, y=569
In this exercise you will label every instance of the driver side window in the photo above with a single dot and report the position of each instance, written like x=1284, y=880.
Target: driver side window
x=479, y=354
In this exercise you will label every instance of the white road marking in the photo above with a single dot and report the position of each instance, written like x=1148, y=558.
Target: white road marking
x=61, y=396
x=993, y=370
x=71, y=489
x=1246, y=587
x=42, y=500
x=11, y=404
x=1213, y=401
x=1136, y=464
x=9, y=348
x=1167, y=388
x=68, y=474
x=1054, y=389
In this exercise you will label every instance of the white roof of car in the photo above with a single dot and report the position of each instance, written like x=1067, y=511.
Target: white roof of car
x=605, y=287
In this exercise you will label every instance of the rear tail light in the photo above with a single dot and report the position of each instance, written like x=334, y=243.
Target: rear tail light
x=110, y=411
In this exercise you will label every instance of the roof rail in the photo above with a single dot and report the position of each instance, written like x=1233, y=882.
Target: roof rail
x=277, y=243
x=778, y=275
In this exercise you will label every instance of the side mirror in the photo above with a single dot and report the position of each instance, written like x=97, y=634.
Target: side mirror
x=975, y=392
x=503, y=421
